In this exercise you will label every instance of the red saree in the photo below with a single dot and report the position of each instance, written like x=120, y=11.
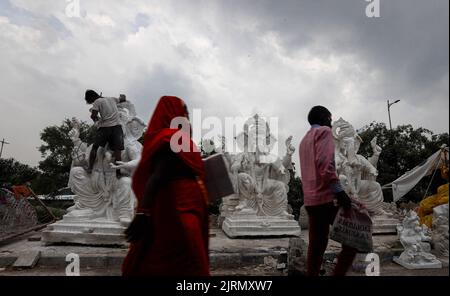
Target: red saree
x=179, y=212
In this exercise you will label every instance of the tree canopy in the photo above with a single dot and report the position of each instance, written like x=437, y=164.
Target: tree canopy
x=403, y=148
x=13, y=172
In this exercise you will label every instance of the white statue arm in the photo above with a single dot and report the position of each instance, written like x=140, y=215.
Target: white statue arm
x=376, y=152
x=368, y=166
x=290, y=149
x=278, y=167
x=79, y=151
x=74, y=135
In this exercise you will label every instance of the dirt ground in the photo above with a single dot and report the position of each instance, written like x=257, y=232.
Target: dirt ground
x=220, y=245
x=387, y=269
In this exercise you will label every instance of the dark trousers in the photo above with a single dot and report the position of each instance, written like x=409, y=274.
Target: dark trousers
x=320, y=218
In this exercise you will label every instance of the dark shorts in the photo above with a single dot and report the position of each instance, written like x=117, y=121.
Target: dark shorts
x=111, y=135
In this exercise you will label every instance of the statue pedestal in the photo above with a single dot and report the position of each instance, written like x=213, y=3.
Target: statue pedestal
x=444, y=261
x=425, y=265
x=246, y=223
x=227, y=207
x=73, y=230
x=384, y=225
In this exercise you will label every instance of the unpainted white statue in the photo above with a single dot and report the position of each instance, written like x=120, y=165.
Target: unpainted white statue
x=100, y=194
x=416, y=242
x=261, y=178
x=440, y=230
x=356, y=173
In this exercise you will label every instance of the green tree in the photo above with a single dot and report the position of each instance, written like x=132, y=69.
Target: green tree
x=56, y=152
x=13, y=172
x=295, y=194
x=403, y=148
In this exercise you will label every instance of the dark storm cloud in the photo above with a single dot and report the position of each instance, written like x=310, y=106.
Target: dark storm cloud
x=408, y=43
x=151, y=84
x=229, y=58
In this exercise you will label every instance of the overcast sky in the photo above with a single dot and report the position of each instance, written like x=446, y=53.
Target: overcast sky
x=229, y=58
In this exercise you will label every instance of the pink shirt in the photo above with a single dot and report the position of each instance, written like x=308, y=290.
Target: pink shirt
x=318, y=171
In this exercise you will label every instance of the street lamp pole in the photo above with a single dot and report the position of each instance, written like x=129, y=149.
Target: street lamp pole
x=389, y=111
x=1, y=149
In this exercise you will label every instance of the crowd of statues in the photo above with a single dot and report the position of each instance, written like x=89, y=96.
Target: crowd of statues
x=259, y=177
x=260, y=180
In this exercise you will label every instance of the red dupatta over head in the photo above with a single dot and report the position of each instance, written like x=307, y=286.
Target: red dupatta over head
x=159, y=133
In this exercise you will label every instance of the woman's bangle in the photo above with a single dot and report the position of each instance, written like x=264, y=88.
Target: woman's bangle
x=141, y=211
x=143, y=214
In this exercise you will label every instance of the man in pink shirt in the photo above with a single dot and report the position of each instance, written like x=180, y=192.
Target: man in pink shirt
x=321, y=187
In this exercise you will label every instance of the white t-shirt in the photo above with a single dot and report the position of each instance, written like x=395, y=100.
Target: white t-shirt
x=107, y=108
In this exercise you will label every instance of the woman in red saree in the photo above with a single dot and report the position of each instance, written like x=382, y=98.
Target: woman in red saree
x=169, y=234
